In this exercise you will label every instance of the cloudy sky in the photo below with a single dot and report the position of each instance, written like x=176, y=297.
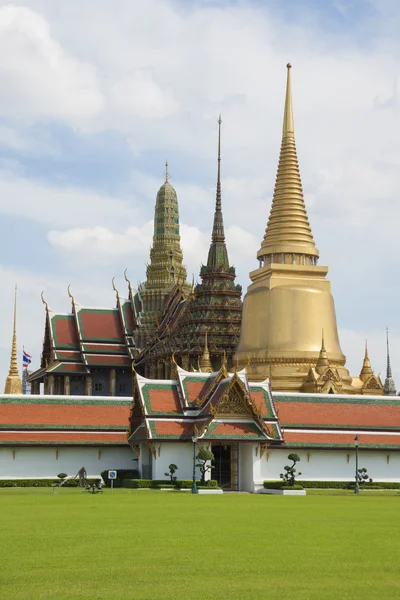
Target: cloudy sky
x=96, y=95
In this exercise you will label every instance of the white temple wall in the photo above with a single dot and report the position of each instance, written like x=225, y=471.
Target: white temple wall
x=178, y=453
x=247, y=467
x=35, y=462
x=330, y=465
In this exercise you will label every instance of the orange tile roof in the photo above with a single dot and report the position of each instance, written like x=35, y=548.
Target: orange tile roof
x=173, y=428
x=376, y=415
x=64, y=415
x=193, y=390
x=65, y=331
x=68, y=437
x=166, y=400
x=340, y=439
x=100, y=325
x=233, y=429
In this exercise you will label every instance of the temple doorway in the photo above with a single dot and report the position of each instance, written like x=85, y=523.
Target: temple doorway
x=226, y=465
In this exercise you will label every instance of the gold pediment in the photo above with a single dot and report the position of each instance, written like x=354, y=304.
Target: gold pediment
x=233, y=403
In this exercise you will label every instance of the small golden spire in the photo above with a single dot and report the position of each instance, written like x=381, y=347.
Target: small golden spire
x=13, y=381
x=366, y=370
x=288, y=229
x=322, y=362
x=205, y=361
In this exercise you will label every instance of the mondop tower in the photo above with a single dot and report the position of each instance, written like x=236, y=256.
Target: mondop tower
x=289, y=307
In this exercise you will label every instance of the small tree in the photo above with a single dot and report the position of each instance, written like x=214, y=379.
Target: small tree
x=362, y=476
x=171, y=474
x=290, y=476
x=204, y=456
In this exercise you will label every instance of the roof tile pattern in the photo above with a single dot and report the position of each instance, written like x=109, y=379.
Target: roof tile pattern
x=337, y=411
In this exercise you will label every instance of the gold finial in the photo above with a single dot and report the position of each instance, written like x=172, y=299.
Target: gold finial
x=13, y=382
x=167, y=175
x=44, y=301
x=114, y=288
x=133, y=368
x=288, y=124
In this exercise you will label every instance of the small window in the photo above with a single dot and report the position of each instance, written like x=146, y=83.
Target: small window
x=98, y=387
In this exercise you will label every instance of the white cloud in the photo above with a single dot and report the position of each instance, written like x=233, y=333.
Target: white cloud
x=38, y=80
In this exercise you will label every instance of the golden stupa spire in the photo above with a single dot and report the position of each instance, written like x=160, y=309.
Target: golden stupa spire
x=288, y=237
x=205, y=361
x=13, y=381
x=322, y=362
x=366, y=370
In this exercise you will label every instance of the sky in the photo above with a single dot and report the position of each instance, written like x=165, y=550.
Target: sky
x=95, y=96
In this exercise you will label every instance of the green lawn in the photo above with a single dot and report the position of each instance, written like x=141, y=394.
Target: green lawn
x=170, y=545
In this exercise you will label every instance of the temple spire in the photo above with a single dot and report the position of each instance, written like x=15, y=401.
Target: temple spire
x=366, y=370
x=288, y=234
x=218, y=254
x=322, y=362
x=166, y=174
x=13, y=381
x=389, y=387
x=205, y=361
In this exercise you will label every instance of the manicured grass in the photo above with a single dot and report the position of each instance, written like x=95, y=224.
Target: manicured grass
x=169, y=545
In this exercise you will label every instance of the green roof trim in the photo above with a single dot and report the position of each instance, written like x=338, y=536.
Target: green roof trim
x=52, y=427
x=349, y=446
x=59, y=443
x=267, y=400
x=53, y=320
x=372, y=428
x=30, y=399
x=338, y=399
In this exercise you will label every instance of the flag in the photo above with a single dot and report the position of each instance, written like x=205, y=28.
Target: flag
x=26, y=359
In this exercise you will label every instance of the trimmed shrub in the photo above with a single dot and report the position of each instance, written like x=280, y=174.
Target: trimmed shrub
x=337, y=485
x=212, y=483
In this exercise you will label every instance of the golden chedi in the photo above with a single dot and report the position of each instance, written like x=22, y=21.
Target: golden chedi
x=289, y=301
x=13, y=382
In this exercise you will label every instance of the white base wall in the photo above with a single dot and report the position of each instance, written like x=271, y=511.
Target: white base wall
x=330, y=465
x=36, y=462
x=178, y=453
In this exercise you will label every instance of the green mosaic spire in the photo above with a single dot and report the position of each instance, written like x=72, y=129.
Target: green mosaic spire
x=166, y=266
